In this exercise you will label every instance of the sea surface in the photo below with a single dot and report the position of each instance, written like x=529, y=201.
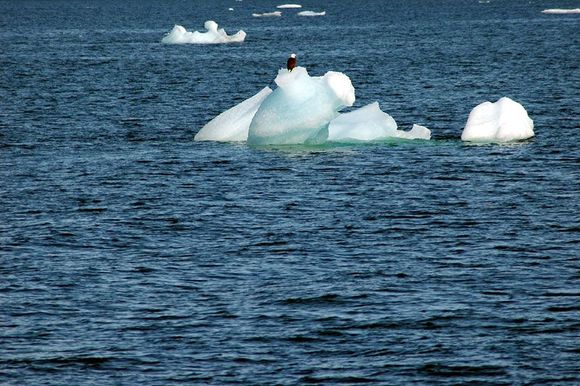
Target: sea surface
x=131, y=254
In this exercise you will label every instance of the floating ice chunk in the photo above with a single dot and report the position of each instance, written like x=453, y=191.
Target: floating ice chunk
x=561, y=11
x=282, y=6
x=179, y=35
x=369, y=123
x=267, y=14
x=299, y=110
x=502, y=121
x=311, y=13
x=230, y=9
x=232, y=125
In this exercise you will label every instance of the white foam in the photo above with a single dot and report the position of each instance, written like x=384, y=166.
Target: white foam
x=561, y=11
x=268, y=14
x=502, y=121
x=300, y=109
x=311, y=13
x=179, y=35
x=286, y=6
x=232, y=125
x=369, y=123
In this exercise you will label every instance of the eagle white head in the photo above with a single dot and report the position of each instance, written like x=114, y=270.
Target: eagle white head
x=293, y=55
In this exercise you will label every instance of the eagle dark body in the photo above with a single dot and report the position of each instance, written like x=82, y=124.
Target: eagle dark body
x=291, y=63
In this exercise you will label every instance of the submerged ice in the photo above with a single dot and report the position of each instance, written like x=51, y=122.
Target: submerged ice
x=502, y=121
x=301, y=108
x=179, y=35
x=369, y=123
x=268, y=14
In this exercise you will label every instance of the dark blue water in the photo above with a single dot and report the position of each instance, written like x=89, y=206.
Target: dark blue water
x=130, y=254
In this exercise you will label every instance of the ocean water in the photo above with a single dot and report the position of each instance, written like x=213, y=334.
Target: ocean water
x=131, y=254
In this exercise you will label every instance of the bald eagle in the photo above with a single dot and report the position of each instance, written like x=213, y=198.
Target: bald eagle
x=291, y=63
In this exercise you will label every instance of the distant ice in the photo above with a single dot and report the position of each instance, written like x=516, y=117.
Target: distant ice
x=179, y=35
x=267, y=14
x=282, y=6
x=502, y=121
x=230, y=9
x=232, y=125
x=561, y=11
x=300, y=109
x=311, y=13
x=369, y=123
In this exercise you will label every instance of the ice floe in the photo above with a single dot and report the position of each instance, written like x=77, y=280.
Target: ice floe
x=561, y=11
x=232, y=125
x=502, y=121
x=311, y=13
x=268, y=14
x=179, y=35
x=369, y=123
x=286, y=6
x=301, y=108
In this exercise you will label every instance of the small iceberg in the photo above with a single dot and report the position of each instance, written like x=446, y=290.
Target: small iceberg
x=502, y=121
x=268, y=14
x=286, y=6
x=232, y=125
x=311, y=13
x=179, y=35
x=369, y=123
x=559, y=11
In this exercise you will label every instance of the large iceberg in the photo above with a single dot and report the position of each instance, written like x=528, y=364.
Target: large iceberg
x=301, y=108
x=232, y=125
x=305, y=110
x=179, y=35
x=502, y=121
x=369, y=123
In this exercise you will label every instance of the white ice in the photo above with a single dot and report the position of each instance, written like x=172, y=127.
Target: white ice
x=179, y=35
x=369, y=123
x=267, y=14
x=311, y=13
x=283, y=6
x=300, y=109
x=561, y=11
x=232, y=125
x=502, y=121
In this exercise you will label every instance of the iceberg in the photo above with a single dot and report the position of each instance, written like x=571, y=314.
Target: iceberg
x=286, y=6
x=502, y=121
x=232, y=125
x=561, y=11
x=311, y=13
x=301, y=108
x=369, y=123
x=179, y=35
x=267, y=14
x=304, y=109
